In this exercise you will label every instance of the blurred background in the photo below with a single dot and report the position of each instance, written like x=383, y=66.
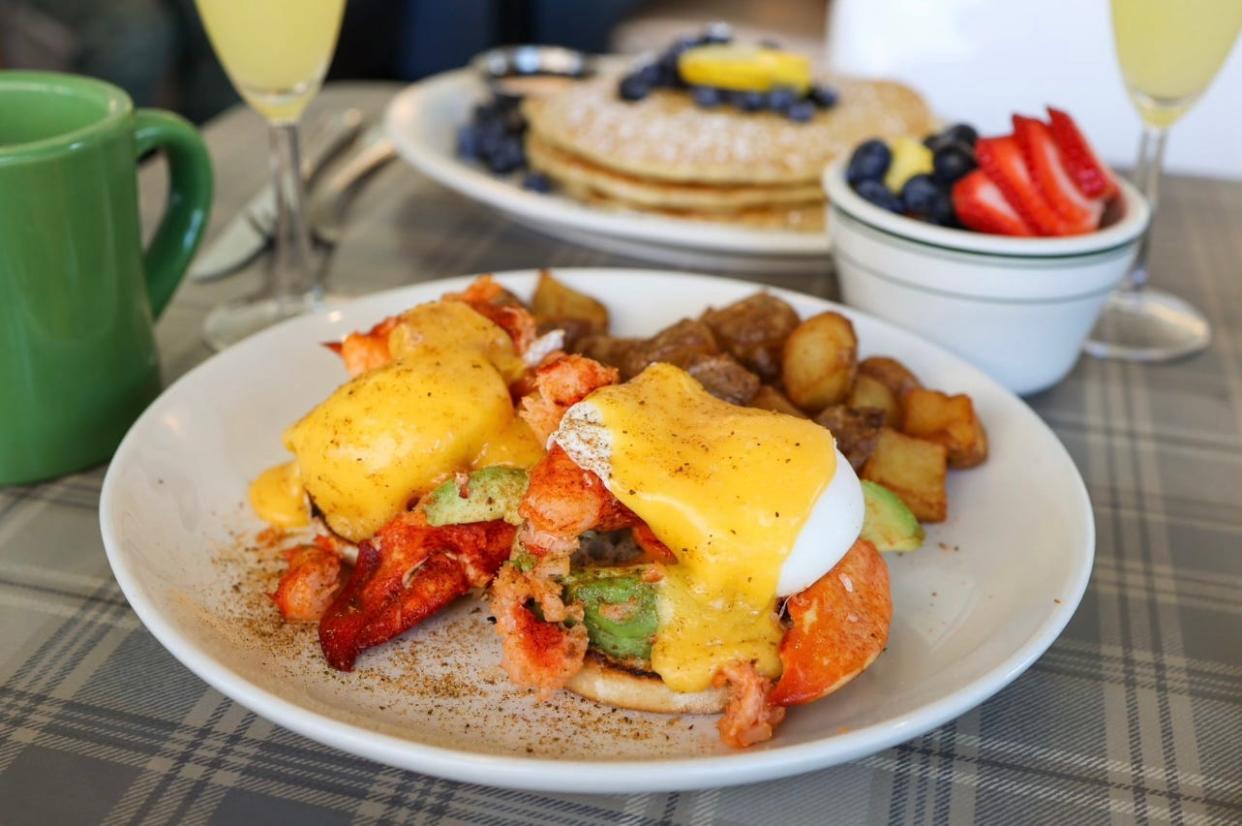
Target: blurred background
x=975, y=60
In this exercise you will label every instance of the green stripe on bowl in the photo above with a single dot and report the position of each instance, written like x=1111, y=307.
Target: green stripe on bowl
x=853, y=262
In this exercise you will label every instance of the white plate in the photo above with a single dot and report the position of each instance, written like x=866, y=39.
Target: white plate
x=422, y=122
x=986, y=595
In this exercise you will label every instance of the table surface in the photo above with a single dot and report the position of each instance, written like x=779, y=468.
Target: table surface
x=1134, y=715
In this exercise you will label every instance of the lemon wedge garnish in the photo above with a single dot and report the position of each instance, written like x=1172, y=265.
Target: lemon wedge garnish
x=744, y=68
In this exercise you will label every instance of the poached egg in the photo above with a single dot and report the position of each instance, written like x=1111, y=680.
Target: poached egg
x=755, y=505
x=441, y=405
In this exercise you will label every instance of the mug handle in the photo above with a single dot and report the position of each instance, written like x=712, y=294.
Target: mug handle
x=189, y=200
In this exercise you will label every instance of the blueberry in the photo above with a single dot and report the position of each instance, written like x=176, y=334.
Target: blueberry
x=822, y=96
x=952, y=161
x=880, y=195
x=959, y=133
x=509, y=155
x=869, y=162
x=919, y=194
x=491, y=136
x=707, y=97
x=962, y=133
x=468, y=142
x=670, y=73
x=537, y=182
x=801, y=111
x=633, y=88
x=941, y=210
x=781, y=98
x=513, y=122
x=748, y=101
x=650, y=74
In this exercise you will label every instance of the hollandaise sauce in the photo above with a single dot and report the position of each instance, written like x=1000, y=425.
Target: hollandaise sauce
x=391, y=434
x=279, y=498
x=728, y=489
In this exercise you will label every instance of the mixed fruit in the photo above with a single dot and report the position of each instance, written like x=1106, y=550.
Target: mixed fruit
x=718, y=72
x=1043, y=179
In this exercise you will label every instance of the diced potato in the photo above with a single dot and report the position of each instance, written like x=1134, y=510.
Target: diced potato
x=724, y=378
x=769, y=398
x=913, y=469
x=946, y=420
x=868, y=391
x=855, y=429
x=890, y=372
x=610, y=350
x=754, y=330
x=819, y=361
x=680, y=345
x=554, y=301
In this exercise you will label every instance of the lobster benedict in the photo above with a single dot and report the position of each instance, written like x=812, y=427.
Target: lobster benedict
x=736, y=510
x=687, y=541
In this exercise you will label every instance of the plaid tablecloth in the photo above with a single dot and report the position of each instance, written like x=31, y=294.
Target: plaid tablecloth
x=1134, y=715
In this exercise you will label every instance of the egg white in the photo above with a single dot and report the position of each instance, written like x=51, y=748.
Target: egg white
x=830, y=530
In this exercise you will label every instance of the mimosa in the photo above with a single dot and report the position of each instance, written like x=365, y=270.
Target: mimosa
x=276, y=52
x=1170, y=50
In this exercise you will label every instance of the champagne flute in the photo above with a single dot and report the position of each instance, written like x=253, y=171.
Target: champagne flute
x=1169, y=51
x=276, y=53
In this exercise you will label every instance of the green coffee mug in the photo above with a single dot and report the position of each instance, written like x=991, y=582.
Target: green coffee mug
x=78, y=293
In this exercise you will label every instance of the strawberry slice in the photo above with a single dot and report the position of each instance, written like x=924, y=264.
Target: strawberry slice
x=981, y=206
x=1001, y=160
x=1088, y=172
x=1080, y=213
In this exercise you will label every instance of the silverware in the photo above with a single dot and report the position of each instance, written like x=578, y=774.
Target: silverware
x=247, y=233
x=329, y=204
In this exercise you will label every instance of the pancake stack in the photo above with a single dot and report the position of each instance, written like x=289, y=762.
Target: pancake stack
x=664, y=154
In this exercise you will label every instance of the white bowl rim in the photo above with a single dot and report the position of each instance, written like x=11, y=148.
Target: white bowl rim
x=1133, y=222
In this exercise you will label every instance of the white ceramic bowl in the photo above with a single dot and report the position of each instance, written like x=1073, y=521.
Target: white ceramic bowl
x=1019, y=308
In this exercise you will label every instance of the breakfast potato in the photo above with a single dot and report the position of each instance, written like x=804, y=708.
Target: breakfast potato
x=754, y=330
x=870, y=392
x=609, y=350
x=680, y=345
x=769, y=398
x=819, y=361
x=947, y=420
x=724, y=378
x=856, y=431
x=890, y=372
x=913, y=469
x=554, y=301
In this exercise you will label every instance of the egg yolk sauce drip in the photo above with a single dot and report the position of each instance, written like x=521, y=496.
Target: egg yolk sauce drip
x=727, y=489
x=279, y=498
x=441, y=405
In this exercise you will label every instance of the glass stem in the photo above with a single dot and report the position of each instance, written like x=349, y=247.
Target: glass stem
x=1147, y=179
x=293, y=272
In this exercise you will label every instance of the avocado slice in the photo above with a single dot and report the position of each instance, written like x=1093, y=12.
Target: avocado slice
x=888, y=523
x=619, y=610
x=492, y=493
